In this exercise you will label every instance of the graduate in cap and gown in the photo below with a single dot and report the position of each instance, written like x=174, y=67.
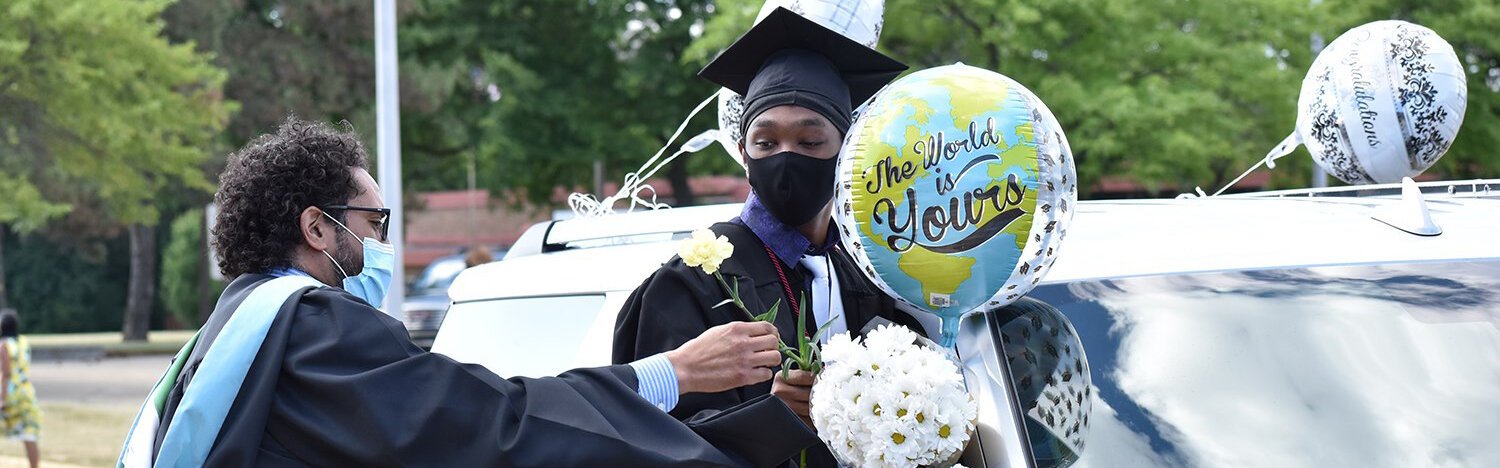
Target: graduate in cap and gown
x=801, y=82
x=296, y=367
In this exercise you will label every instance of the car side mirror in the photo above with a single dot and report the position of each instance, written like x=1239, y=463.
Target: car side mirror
x=1025, y=365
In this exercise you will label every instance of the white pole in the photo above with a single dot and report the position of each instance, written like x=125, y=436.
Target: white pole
x=388, y=143
x=1319, y=178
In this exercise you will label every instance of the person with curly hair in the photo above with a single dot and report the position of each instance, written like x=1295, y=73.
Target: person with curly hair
x=296, y=366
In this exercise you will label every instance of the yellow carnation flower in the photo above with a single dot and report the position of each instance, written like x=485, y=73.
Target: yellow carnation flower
x=705, y=251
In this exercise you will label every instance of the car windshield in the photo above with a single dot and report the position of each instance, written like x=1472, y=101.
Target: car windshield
x=1388, y=365
x=438, y=276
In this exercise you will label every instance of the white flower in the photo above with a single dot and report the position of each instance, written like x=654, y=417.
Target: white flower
x=891, y=402
x=704, y=250
x=889, y=340
x=841, y=347
x=899, y=442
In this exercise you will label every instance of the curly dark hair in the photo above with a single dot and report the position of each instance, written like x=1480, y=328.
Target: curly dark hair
x=268, y=183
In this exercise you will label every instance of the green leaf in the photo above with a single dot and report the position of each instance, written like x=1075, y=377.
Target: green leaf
x=734, y=295
x=824, y=329
x=770, y=315
x=801, y=319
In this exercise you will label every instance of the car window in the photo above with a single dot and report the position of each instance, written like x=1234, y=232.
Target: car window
x=438, y=276
x=531, y=336
x=1385, y=365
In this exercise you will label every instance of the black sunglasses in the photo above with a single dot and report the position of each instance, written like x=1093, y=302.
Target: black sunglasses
x=385, y=217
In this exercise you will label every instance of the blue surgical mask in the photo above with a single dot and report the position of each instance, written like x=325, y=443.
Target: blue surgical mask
x=374, y=280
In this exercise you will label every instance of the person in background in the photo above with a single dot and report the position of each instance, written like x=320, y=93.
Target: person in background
x=478, y=255
x=23, y=418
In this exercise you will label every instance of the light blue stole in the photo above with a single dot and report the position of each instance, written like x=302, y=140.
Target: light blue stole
x=200, y=415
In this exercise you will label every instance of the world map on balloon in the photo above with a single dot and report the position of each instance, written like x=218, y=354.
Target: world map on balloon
x=955, y=191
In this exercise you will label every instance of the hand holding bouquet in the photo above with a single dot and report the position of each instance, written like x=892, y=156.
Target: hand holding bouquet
x=889, y=401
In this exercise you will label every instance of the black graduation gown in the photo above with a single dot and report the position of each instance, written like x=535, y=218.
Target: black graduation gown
x=338, y=383
x=675, y=304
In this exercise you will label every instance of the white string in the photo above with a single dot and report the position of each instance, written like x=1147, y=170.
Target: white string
x=1280, y=151
x=586, y=205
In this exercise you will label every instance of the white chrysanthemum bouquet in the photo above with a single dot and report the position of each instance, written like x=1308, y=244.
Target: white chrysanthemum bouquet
x=890, y=401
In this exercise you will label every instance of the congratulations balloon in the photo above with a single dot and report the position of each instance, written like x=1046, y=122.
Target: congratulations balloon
x=956, y=189
x=859, y=20
x=1382, y=102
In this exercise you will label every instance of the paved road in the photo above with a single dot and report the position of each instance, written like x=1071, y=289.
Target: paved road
x=110, y=381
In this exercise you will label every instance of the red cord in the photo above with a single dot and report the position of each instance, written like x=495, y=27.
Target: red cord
x=785, y=285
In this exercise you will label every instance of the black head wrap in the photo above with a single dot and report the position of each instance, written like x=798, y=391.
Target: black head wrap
x=803, y=78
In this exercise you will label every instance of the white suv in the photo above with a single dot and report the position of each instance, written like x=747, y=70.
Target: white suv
x=1273, y=329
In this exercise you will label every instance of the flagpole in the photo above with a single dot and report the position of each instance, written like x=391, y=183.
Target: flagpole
x=388, y=144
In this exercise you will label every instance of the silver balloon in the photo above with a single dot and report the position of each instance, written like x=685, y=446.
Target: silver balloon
x=1383, y=101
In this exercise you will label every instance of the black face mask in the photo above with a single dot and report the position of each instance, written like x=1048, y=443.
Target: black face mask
x=795, y=187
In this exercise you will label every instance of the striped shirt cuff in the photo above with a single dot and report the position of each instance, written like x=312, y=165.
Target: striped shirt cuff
x=657, y=381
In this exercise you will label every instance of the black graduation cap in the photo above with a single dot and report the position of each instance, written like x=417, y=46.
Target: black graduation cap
x=789, y=59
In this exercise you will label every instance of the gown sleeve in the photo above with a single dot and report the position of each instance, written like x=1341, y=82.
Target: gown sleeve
x=671, y=307
x=354, y=391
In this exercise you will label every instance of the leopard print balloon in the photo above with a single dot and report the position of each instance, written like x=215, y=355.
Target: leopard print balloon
x=1050, y=375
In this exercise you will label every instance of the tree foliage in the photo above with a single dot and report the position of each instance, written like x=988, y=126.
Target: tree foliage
x=98, y=109
x=182, y=268
x=1170, y=93
x=578, y=81
x=94, y=97
x=311, y=58
x=59, y=289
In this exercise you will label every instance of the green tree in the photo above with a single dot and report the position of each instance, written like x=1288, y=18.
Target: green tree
x=578, y=81
x=60, y=286
x=25, y=210
x=184, y=270
x=94, y=98
x=1169, y=93
x=311, y=58
x=1172, y=94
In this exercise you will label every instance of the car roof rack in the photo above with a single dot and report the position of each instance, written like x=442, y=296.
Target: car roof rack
x=1480, y=188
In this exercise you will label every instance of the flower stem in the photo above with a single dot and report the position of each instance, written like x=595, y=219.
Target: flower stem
x=734, y=296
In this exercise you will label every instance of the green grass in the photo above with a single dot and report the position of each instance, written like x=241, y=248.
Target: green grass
x=113, y=343
x=76, y=434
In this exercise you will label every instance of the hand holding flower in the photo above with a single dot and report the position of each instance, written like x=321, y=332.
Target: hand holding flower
x=726, y=357
x=795, y=389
